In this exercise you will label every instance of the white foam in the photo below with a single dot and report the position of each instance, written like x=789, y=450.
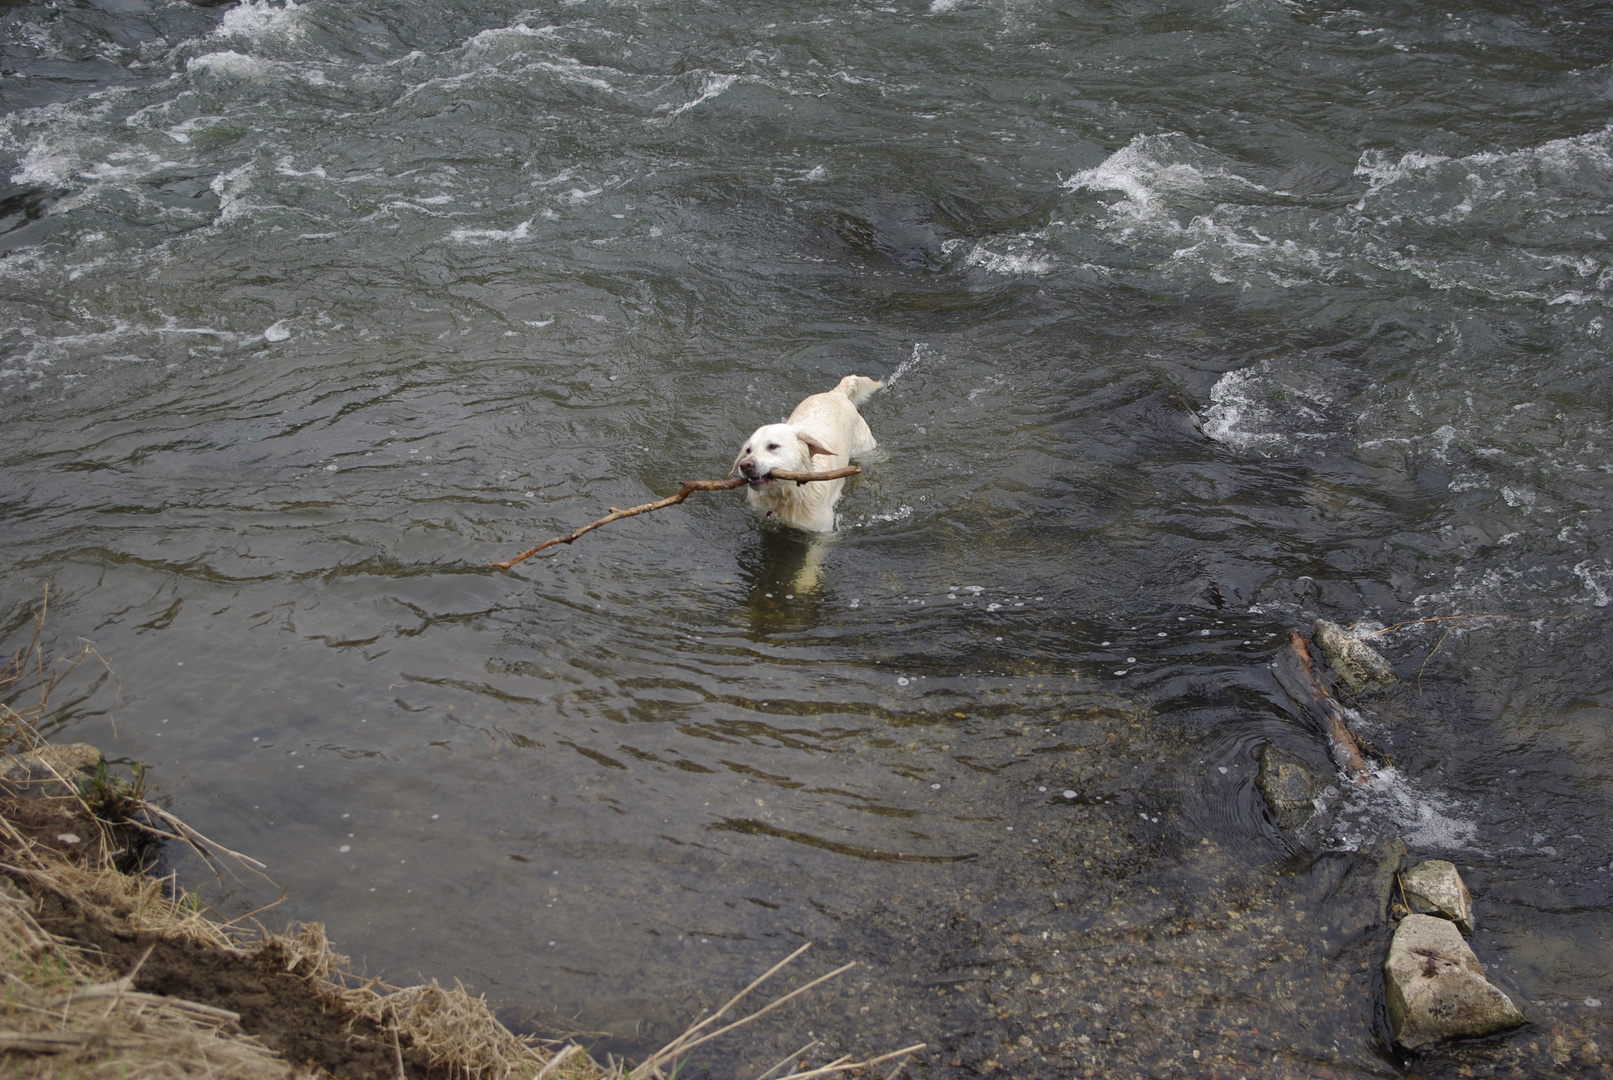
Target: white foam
x=488, y=236
x=711, y=86
x=1150, y=167
x=576, y=72
x=232, y=64
x=1591, y=153
x=1392, y=804
x=505, y=35
x=1598, y=579
x=901, y=513
x=921, y=353
x=1007, y=263
x=1251, y=409
x=255, y=20
x=182, y=132
x=46, y=164
x=230, y=188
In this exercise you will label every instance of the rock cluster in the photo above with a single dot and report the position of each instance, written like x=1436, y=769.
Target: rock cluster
x=1434, y=986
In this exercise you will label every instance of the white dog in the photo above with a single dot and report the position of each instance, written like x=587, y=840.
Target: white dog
x=823, y=434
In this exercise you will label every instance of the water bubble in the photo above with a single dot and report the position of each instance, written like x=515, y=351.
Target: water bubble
x=1068, y=794
x=902, y=680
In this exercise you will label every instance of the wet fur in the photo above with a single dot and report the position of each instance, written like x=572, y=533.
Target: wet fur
x=823, y=433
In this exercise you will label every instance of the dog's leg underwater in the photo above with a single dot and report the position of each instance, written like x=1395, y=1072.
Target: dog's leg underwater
x=810, y=574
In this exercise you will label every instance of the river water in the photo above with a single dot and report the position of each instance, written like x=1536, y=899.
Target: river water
x=1199, y=321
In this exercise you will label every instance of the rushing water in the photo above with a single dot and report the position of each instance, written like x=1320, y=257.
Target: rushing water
x=1199, y=321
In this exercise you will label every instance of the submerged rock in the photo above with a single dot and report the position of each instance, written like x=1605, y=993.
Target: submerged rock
x=1358, y=664
x=1436, y=989
x=1350, y=889
x=1434, y=887
x=1288, y=786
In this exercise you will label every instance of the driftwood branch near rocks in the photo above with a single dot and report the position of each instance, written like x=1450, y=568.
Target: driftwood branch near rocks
x=689, y=487
x=1346, y=752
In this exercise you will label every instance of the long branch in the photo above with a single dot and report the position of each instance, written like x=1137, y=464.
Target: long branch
x=1346, y=752
x=689, y=487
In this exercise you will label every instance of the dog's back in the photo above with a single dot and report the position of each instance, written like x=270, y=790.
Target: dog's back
x=833, y=415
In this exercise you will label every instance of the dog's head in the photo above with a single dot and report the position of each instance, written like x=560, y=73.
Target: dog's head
x=775, y=446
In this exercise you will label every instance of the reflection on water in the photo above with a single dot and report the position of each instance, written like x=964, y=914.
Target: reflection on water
x=1196, y=326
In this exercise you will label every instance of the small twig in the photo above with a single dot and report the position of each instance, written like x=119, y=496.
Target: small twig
x=672, y=1048
x=894, y=1073
x=555, y=1062
x=1446, y=634
x=689, y=487
x=787, y=1059
x=1462, y=618
x=397, y=1048
x=765, y=1009
x=1346, y=752
x=44, y=882
x=194, y=839
x=837, y=1067
x=1429, y=657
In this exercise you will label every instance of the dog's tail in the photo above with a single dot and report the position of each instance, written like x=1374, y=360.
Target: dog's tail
x=859, y=388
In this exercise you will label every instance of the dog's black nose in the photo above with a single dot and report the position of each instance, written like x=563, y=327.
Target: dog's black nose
x=747, y=468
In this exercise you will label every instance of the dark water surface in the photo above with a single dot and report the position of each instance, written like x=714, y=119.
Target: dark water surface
x=1200, y=321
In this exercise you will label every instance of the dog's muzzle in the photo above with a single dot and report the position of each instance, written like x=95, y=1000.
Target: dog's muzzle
x=747, y=469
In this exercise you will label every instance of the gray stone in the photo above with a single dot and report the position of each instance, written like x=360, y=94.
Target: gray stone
x=1288, y=786
x=1433, y=887
x=1358, y=664
x=1436, y=989
x=39, y=770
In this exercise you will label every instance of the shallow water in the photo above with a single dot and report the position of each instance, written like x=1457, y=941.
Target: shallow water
x=1198, y=322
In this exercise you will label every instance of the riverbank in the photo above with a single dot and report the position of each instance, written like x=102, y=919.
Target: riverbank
x=117, y=973
x=110, y=970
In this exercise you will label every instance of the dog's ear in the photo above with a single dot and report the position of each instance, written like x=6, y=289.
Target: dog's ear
x=813, y=449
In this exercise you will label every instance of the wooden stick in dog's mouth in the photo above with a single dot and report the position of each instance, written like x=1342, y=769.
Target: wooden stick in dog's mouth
x=688, y=488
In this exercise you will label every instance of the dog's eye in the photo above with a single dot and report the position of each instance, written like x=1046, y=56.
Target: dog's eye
x=772, y=446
